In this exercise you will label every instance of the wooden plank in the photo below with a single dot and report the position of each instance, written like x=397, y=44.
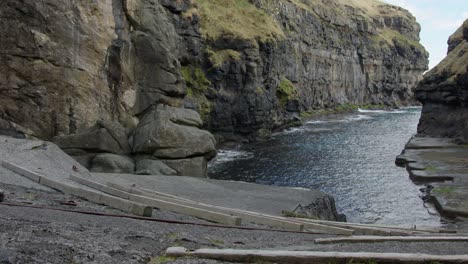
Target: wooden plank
x=145, y=192
x=22, y=171
x=163, y=205
x=100, y=187
x=114, y=202
x=367, y=229
x=283, y=256
x=381, y=227
x=371, y=230
x=274, y=221
x=376, y=239
x=245, y=215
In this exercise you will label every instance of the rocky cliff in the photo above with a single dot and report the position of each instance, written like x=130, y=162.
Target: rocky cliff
x=115, y=82
x=102, y=79
x=266, y=63
x=444, y=92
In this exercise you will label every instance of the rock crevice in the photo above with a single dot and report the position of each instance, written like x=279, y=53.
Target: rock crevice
x=142, y=79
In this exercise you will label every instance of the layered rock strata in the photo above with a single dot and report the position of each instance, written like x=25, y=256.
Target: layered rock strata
x=444, y=92
x=122, y=77
x=90, y=75
x=251, y=76
x=437, y=155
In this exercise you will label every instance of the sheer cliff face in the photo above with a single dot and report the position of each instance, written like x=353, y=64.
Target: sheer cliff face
x=444, y=92
x=67, y=64
x=301, y=55
x=128, y=71
x=102, y=80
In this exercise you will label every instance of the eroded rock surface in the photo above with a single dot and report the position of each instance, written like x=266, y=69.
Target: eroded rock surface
x=85, y=73
x=444, y=92
x=90, y=75
x=303, y=55
x=438, y=153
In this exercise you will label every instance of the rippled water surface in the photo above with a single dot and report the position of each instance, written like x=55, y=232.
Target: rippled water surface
x=350, y=157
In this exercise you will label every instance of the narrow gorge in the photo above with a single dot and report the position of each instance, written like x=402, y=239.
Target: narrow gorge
x=212, y=131
x=128, y=86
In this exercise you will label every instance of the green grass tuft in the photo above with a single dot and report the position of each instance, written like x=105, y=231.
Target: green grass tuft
x=237, y=19
x=444, y=190
x=430, y=168
x=388, y=37
x=195, y=78
x=197, y=86
x=286, y=91
x=218, y=58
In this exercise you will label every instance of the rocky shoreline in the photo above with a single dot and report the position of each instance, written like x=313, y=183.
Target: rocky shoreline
x=438, y=154
x=441, y=165
x=125, y=72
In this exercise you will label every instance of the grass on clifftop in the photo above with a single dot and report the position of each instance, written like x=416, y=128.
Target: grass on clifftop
x=390, y=35
x=236, y=19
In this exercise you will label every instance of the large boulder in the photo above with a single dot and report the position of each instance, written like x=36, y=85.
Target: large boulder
x=172, y=133
x=153, y=167
x=105, y=136
x=195, y=167
x=111, y=163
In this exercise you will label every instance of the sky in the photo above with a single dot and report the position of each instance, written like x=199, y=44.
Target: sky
x=439, y=19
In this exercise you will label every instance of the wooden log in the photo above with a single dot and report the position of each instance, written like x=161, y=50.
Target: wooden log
x=282, y=256
x=382, y=227
x=245, y=215
x=274, y=221
x=376, y=239
x=92, y=196
x=22, y=171
x=163, y=205
x=368, y=229
x=144, y=192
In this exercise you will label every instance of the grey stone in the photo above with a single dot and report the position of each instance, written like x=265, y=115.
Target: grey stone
x=111, y=163
x=153, y=167
x=196, y=167
x=2, y=195
x=416, y=166
x=117, y=131
x=85, y=159
x=167, y=132
x=321, y=208
x=98, y=140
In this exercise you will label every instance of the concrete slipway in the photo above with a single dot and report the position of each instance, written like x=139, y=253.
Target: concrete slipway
x=41, y=166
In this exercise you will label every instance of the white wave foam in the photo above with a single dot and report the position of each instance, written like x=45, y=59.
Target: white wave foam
x=358, y=117
x=316, y=122
x=381, y=111
x=290, y=131
x=225, y=155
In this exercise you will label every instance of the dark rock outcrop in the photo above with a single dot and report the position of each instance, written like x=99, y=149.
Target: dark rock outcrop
x=85, y=73
x=295, y=56
x=118, y=76
x=444, y=92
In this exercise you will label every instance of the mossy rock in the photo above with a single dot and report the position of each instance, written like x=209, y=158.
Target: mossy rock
x=286, y=91
x=195, y=79
x=219, y=57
